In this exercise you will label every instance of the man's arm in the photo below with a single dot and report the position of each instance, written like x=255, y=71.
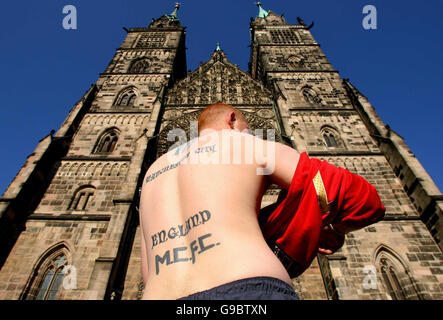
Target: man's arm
x=285, y=163
x=359, y=201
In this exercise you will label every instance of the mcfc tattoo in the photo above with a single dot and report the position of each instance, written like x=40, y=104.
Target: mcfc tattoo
x=185, y=254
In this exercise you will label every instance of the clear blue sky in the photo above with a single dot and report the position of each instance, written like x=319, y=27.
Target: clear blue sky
x=45, y=69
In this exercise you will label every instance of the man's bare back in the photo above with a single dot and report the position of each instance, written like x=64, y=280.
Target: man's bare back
x=198, y=213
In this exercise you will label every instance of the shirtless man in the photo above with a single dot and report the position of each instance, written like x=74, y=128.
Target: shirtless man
x=200, y=236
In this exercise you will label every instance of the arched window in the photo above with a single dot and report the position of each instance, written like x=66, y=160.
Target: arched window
x=310, y=96
x=389, y=273
x=140, y=66
x=395, y=275
x=330, y=137
x=52, y=279
x=127, y=98
x=131, y=100
x=107, y=141
x=81, y=198
x=47, y=277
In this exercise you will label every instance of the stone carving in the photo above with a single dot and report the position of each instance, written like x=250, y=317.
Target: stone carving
x=265, y=113
x=171, y=114
x=218, y=81
x=141, y=289
x=92, y=169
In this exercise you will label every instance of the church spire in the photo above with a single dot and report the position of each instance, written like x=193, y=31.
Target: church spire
x=173, y=15
x=262, y=13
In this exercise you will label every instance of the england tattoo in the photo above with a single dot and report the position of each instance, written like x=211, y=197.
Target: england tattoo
x=181, y=230
x=183, y=253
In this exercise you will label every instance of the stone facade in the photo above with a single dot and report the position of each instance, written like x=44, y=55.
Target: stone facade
x=75, y=201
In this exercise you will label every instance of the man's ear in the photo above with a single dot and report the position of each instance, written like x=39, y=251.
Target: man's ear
x=232, y=119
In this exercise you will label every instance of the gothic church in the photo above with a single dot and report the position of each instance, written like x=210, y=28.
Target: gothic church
x=72, y=209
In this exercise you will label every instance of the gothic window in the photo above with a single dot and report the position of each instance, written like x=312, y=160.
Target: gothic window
x=151, y=40
x=330, y=138
x=283, y=36
x=232, y=93
x=47, y=277
x=81, y=198
x=140, y=66
x=124, y=100
x=53, y=278
x=395, y=276
x=107, y=142
x=131, y=100
x=310, y=96
x=127, y=98
x=390, y=277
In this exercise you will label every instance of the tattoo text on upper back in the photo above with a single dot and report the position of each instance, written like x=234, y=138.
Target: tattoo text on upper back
x=207, y=149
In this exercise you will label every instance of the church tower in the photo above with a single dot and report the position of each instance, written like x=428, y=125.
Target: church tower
x=87, y=175
x=72, y=210
x=327, y=117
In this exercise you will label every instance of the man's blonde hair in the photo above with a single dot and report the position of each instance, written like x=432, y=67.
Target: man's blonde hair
x=213, y=115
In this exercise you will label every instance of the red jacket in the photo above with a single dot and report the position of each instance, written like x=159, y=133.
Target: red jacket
x=319, y=194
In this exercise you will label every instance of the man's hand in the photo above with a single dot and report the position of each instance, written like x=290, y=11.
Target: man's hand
x=330, y=241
